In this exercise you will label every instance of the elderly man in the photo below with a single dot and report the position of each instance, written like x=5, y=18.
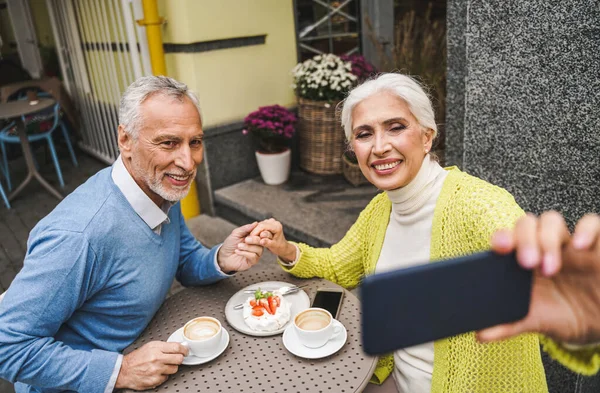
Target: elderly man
x=99, y=266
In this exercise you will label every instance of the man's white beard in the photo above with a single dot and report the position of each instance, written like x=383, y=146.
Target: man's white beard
x=156, y=185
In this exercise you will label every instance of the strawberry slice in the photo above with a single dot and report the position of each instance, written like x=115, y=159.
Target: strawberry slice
x=266, y=305
x=272, y=304
x=252, y=302
x=277, y=300
x=257, y=311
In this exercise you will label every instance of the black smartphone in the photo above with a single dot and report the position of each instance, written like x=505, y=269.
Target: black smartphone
x=329, y=299
x=419, y=304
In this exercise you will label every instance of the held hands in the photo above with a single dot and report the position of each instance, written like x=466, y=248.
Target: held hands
x=149, y=366
x=565, y=299
x=235, y=255
x=269, y=234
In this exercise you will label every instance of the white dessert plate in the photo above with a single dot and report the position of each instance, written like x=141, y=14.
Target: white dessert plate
x=192, y=360
x=293, y=344
x=299, y=300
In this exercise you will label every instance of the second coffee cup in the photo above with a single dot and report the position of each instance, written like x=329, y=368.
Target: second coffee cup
x=315, y=327
x=202, y=336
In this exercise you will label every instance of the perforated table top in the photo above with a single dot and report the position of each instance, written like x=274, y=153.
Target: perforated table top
x=259, y=364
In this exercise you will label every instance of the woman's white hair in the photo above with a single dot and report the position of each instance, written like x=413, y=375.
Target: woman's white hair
x=140, y=90
x=403, y=87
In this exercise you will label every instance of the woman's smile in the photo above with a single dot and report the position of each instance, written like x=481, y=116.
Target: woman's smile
x=387, y=166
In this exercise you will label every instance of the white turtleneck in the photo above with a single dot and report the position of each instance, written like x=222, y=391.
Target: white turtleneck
x=407, y=243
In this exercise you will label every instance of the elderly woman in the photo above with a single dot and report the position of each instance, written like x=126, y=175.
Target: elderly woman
x=426, y=213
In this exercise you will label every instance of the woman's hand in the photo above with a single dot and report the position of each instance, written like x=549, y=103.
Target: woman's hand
x=565, y=299
x=269, y=234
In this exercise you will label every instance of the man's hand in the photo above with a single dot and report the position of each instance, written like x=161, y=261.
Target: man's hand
x=150, y=365
x=565, y=299
x=237, y=256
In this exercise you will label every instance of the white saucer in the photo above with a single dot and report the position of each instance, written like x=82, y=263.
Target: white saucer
x=292, y=344
x=299, y=300
x=191, y=360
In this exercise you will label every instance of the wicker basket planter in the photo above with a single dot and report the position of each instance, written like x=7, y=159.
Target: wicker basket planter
x=320, y=136
x=352, y=173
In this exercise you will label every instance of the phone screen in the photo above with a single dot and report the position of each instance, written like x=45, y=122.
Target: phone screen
x=329, y=300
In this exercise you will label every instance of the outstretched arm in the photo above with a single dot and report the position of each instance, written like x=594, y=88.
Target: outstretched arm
x=199, y=265
x=566, y=294
x=565, y=300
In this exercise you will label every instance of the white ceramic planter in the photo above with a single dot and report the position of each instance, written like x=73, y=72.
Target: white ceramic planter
x=275, y=167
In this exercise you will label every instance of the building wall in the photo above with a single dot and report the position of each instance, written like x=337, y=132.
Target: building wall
x=236, y=56
x=232, y=82
x=523, y=99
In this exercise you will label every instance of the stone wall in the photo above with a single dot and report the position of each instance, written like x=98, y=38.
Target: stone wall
x=524, y=99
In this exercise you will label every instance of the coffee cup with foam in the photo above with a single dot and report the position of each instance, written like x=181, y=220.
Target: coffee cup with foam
x=202, y=336
x=315, y=327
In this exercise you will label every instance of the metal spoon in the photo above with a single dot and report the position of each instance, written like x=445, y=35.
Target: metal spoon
x=282, y=291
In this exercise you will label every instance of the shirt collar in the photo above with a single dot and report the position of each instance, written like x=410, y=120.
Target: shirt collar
x=152, y=215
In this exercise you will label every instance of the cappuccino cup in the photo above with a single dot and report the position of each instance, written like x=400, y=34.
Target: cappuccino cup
x=202, y=336
x=315, y=327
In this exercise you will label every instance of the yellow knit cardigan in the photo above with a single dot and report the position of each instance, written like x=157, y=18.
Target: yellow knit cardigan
x=467, y=212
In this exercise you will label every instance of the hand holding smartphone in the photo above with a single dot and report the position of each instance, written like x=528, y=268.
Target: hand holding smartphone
x=419, y=304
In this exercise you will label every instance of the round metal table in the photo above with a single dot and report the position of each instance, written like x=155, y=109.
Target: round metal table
x=16, y=109
x=259, y=364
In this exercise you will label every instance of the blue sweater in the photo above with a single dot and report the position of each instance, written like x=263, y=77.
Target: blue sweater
x=94, y=276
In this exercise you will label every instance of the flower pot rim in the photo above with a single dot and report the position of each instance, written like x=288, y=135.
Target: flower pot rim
x=274, y=153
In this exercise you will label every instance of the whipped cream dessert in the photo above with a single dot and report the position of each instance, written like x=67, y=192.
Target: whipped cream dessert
x=266, y=311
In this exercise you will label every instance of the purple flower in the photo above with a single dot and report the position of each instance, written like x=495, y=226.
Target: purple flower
x=271, y=125
x=360, y=66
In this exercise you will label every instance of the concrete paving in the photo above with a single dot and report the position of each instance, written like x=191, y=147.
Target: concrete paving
x=317, y=210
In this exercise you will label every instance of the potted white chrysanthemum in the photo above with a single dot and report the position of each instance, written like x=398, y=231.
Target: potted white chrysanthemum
x=320, y=84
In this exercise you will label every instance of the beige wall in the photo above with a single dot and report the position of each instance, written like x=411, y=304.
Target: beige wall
x=232, y=82
x=41, y=22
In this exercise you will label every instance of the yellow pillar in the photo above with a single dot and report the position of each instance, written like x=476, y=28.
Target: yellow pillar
x=190, y=205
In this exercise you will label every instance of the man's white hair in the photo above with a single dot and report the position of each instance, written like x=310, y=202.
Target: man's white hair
x=402, y=86
x=140, y=90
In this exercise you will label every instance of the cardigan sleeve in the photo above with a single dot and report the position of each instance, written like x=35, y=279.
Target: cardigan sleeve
x=342, y=263
x=585, y=361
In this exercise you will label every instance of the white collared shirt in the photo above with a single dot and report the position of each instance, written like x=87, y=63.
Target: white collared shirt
x=152, y=215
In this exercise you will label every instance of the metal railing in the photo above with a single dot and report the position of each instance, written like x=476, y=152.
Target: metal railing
x=320, y=35
x=101, y=51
